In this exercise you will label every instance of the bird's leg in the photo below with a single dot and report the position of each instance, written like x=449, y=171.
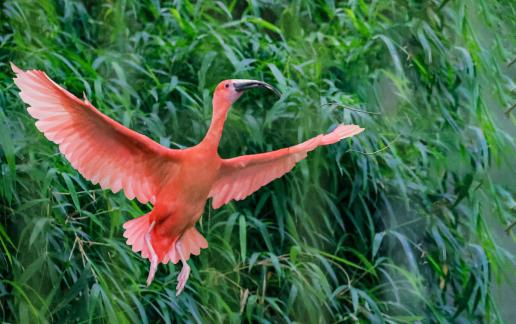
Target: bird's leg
x=185, y=272
x=153, y=255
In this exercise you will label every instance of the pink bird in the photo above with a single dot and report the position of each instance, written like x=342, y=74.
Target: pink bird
x=176, y=182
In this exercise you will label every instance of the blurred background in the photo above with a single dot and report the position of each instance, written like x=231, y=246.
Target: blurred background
x=408, y=222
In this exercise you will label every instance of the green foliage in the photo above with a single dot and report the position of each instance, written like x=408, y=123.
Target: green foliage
x=390, y=226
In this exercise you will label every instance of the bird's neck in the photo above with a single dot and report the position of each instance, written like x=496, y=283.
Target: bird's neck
x=220, y=111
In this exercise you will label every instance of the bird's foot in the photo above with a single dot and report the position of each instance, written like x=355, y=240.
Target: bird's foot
x=153, y=256
x=152, y=270
x=185, y=272
x=182, y=279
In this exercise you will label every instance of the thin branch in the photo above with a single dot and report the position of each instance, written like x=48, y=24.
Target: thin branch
x=508, y=111
x=338, y=104
x=377, y=151
x=73, y=248
x=441, y=6
x=509, y=228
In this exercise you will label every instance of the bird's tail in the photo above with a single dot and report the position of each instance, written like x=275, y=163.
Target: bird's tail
x=135, y=231
x=191, y=243
x=141, y=234
x=191, y=240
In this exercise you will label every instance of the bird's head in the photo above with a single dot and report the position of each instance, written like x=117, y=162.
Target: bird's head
x=230, y=90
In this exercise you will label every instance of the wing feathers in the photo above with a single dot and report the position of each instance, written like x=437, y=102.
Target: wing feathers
x=101, y=149
x=241, y=176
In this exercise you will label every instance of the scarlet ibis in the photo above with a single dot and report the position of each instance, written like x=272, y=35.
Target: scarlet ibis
x=176, y=182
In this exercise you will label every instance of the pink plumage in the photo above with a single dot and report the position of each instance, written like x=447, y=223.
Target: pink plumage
x=177, y=182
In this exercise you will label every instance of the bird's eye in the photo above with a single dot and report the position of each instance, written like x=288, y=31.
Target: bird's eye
x=227, y=85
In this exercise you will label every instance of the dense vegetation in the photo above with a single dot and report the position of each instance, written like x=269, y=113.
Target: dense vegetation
x=393, y=225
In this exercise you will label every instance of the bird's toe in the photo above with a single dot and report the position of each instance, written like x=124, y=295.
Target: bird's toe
x=182, y=279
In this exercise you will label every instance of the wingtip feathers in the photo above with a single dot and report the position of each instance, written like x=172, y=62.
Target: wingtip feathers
x=15, y=69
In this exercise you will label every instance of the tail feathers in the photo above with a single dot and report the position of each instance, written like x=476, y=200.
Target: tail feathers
x=191, y=242
x=135, y=231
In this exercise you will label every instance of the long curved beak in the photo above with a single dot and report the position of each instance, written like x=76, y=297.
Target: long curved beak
x=241, y=85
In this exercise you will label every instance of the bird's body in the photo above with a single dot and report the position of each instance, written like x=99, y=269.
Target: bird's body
x=181, y=201
x=177, y=182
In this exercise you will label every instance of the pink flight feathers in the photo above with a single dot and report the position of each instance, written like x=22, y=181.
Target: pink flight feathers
x=177, y=182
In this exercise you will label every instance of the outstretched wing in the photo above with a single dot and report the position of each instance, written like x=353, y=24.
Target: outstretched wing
x=241, y=176
x=101, y=149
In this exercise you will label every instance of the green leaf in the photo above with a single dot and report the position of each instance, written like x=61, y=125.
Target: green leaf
x=377, y=242
x=294, y=252
x=263, y=23
x=243, y=236
x=277, y=74
x=72, y=191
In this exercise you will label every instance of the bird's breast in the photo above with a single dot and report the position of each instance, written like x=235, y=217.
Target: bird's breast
x=196, y=177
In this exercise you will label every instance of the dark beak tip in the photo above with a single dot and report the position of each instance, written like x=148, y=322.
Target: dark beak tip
x=254, y=84
x=277, y=92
